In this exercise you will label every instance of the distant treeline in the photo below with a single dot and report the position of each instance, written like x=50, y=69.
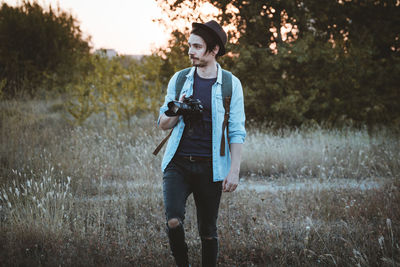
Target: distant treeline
x=336, y=63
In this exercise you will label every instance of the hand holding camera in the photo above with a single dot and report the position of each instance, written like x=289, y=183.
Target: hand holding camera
x=189, y=106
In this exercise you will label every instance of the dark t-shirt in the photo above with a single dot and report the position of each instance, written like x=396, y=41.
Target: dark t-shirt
x=197, y=141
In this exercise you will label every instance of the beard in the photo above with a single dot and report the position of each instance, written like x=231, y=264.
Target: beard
x=198, y=62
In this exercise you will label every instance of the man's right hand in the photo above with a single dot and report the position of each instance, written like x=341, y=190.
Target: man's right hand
x=166, y=122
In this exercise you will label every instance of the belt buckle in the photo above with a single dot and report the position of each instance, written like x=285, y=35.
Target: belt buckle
x=191, y=159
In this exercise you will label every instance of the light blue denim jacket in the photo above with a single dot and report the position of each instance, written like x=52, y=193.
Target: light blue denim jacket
x=237, y=132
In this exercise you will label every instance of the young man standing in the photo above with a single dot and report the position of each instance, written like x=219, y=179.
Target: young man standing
x=202, y=156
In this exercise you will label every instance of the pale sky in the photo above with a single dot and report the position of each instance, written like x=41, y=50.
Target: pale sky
x=124, y=25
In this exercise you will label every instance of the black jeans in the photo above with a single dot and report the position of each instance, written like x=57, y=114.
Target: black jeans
x=181, y=178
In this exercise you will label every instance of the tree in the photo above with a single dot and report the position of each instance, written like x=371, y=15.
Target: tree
x=151, y=68
x=119, y=88
x=39, y=48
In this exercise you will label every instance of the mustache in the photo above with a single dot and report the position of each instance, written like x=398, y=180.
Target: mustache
x=193, y=57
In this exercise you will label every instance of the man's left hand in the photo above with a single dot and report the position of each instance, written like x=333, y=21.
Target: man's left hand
x=230, y=183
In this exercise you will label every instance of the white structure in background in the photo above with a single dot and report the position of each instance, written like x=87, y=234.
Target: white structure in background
x=109, y=53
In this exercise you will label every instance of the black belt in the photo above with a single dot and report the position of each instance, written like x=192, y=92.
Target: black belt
x=197, y=159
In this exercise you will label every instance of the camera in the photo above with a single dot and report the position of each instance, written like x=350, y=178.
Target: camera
x=189, y=107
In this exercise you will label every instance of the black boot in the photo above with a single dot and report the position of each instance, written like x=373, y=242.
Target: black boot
x=209, y=252
x=178, y=245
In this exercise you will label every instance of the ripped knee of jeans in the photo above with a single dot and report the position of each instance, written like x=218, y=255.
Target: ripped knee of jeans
x=174, y=223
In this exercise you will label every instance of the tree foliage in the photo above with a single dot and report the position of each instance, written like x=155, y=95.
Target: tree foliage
x=304, y=61
x=118, y=88
x=39, y=49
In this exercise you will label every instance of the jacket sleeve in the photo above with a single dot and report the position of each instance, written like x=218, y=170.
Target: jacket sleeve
x=236, y=123
x=170, y=96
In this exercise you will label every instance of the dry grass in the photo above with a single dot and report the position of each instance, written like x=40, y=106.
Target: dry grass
x=91, y=196
x=323, y=153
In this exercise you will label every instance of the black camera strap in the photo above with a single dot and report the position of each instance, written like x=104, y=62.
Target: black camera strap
x=227, y=102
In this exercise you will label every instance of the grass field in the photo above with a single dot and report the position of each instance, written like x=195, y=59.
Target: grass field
x=91, y=195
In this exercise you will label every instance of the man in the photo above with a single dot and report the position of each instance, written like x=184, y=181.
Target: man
x=202, y=156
